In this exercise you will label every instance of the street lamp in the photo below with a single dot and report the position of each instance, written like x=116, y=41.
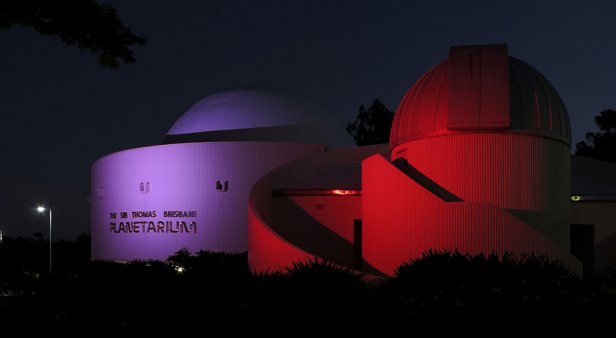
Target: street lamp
x=42, y=209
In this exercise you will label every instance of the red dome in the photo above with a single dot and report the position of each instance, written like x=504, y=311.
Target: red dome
x=478, y=89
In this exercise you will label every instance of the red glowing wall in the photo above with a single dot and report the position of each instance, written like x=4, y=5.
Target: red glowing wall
x=306, y=218
x=284, y=227
x=268, y=251
x=526, y=174
x=475, y=192
x=336, y=212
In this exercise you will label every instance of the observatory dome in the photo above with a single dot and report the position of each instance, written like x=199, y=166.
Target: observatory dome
x=480, y=88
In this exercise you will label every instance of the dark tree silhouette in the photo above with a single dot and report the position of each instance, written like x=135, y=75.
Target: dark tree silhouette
x=601, y=145
x=82, y=23
x=372, y=125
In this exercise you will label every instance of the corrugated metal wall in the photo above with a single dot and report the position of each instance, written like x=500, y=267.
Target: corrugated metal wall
x=527, y=174
x=514, y=188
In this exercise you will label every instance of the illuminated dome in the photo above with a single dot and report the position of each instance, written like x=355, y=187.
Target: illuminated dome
x=256, y=115
x=480, y=88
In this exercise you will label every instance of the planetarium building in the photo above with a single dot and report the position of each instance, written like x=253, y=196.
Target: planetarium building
x=478, y=161
x=192, y=191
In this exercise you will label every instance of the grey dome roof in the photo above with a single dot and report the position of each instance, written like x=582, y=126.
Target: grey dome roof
x=256, y=115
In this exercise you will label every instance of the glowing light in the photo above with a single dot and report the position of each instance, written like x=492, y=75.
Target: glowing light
x=575, y=198
x=179, y=269
x=42, y=209
x=343, y=192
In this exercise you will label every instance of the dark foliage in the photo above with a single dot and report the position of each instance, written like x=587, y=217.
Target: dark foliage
x=311, y=299
x=610, y=279
x=82, y=23
x=215, y=295
x=601, y=145
x=373, y=125
x=448, y=293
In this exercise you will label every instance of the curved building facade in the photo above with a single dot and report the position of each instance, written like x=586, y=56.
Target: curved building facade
x=478, y=161
x=192, y=192
x=481, y=144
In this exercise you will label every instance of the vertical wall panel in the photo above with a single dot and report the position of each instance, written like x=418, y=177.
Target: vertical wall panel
x=494, y=98
x=464, y=88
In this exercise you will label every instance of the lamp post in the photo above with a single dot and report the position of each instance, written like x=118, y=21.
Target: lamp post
x=42, y=209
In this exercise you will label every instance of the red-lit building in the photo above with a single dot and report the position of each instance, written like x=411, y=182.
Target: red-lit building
x=478, y=161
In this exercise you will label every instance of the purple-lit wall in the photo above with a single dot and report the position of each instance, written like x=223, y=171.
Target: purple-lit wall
x=179, y=177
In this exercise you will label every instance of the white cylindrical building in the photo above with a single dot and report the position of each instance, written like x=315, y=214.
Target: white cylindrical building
x=192, y=192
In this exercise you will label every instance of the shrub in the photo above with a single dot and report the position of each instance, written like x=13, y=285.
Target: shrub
x=446, y=292
x=310, y=298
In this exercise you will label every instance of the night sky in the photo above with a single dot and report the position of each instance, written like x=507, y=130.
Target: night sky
x=60, y=111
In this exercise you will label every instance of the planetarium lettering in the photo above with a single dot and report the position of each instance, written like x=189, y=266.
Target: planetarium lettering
x=145, y=222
